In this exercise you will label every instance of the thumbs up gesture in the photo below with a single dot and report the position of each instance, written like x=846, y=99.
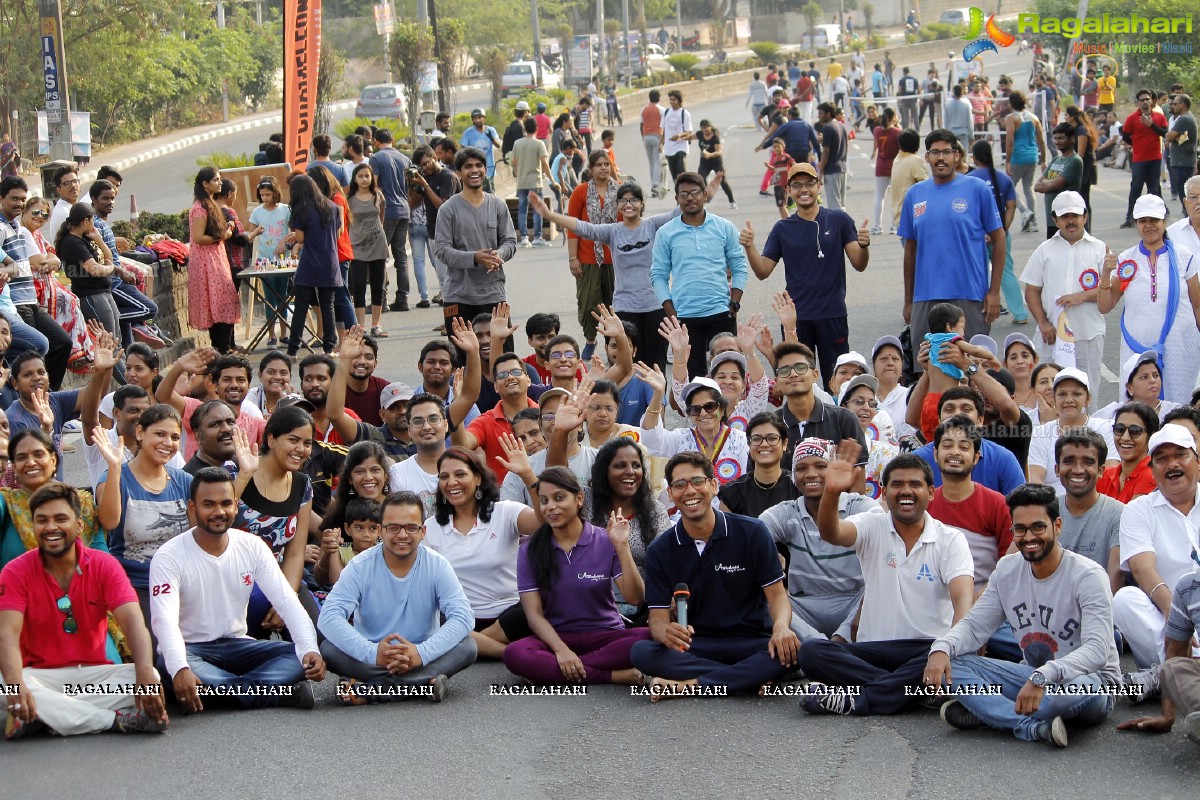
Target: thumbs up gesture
x=746, y=237
x=1110, y=263
x=864, y=234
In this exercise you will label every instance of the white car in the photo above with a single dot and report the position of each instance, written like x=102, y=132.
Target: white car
x=521, y=76
x=821, y=37
x=654, y=51
x=955, y=16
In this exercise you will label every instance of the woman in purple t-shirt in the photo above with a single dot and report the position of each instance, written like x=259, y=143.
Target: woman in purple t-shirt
x=565, y=576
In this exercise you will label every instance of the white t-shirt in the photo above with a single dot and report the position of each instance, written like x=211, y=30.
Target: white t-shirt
x=675, y=122
x=485, y=560
x=1041, y=446
x=581, y=463
x=1061, y=268
x=198, y=597
x=98, y=467
x=1150, y=524
x=407, y=476
x=907, y=595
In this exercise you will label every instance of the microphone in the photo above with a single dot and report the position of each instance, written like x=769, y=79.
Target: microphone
x=681, y=603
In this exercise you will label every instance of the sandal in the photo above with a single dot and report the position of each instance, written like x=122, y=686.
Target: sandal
x=379, y=333
x=346, y=694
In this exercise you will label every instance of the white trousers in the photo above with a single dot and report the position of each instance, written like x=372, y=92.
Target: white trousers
x=71, y=714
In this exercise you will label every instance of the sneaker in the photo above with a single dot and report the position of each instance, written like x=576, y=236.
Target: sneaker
x=1054, y=731
x=1191, y=726
x=302, y=696
x=14, y=728
x=1145, y=682
x=540, y=242
x=157, y=331
x=956, y=715
x=588, y=349
x=1029, y=217
x=1127, y=223
x=437, y=298
x=525, y=242
x=439, y=689
x=733, y=205
x=399, y=305
x=74, y=426
x=891, y=231
x=1004, y=311
x=272, y=342
x=764, y=193
x=821, y=699
x=423, y=304
x=134, y=721
x=876, y=231
x=145, y=335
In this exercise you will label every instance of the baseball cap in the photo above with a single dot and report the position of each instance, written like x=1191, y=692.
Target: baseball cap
x=869, y=381
x=1072, y=374
x=853, y=357
x=1131, y=366
x=696, y=384
x=1018, y=338
x=541, y=107
x=297, y=400
x=1150, y=205
x=393, y=393
x=728, y=355
x=556, y=391
x=1172, y=434
x=477, y=112
x=522, y=105
x=883, y=342
x=1069, y=203
x=983, y=340
x=803, y=169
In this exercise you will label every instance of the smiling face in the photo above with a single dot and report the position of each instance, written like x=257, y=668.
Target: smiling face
x=314, y=383
x=1071, y=400
x=232, y=384
x=1131, y=447
x=1045, y=385
x=529, y=433
x=630, y=207
x=943, y=160
x=276, y=378
x=560, y=508
x=511, y=379
x=125, y=420
x=907, y=495
x=1174, y=469
x=963, y=405
x=766, y=445
x=13, y=203
x=363, y=366
x=564, y=360
x=214, y=508
x=457, y=482
x=1079, y=468
x=703, y=408
x=473, y=170
x=956, y=454
x=31, y=376
x=1039, y=536
x=368, y=479
x=803, y=189
x=214, y=436
x=626, y=472
x=809, y=475
x=437, y=367
x=862, y=404
x=160, y=442
x=1144, y=384
x=693, y=502
x=1020, y=361
x=731, y=380
x=429, y=430
x=56, y=526
x=33, y=463
x=292, y=449
x=794, y=375
x=403, y=530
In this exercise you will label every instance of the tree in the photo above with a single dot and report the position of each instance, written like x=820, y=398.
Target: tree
x=766, y=52
x=331, y=85
x=411, y=49
x=452, y=40
x=812, y=12
x=493, y=62
x=868, y=10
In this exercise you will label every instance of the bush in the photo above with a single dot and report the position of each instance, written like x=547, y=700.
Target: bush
x=766, y=51
x=173, y=225
x=937, y=30
x=345, y=127
x=875, y=42
x=683, y=62
x=224, y=161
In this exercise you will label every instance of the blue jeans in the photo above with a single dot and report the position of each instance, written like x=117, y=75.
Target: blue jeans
x=422, y=245
x=342, y=307
x=523, y=213
x=999, y=711
x=24, y=337
x=246, y=663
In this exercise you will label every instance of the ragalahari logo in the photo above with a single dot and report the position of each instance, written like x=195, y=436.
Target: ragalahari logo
x=994, y=36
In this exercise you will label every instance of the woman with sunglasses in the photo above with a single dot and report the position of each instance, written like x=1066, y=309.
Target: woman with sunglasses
x=1143, y=384
x=708, y=430
x=56, y=299
x=566, y=573
x=859, y=398
x=1135, y=424
x=732, y=363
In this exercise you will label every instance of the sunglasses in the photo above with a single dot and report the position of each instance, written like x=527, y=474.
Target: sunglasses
x=707, y=408
x=39, y=214
x=1134, y=431
x=512, y=373
x=69, y=624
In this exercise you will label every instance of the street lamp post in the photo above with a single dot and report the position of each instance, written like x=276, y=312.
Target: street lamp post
x=537, y=46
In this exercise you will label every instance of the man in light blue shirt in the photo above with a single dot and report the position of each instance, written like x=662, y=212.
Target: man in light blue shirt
x=395, y=592
x=699, y=270
x=483, y=137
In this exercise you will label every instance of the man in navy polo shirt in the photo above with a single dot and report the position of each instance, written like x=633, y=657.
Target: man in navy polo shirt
x=946, y=220
x=738, y=635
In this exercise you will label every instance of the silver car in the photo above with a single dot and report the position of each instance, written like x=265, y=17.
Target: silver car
x=381, y=101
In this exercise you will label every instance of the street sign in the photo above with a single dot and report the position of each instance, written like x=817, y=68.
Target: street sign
x=385, y=18
x=54, y=106
x=580, y=63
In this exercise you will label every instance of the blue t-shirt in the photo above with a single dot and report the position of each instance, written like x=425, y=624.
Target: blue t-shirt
x=389, y=165
x=148, y=520
x=275, y=229
x=954, y=218
x=482, y=140
x=997, y=469
x=64, y=405
x=1008, y=191
x=319, y=264
x=635, y=399
x=815, y=276
x=337, y=169
x=878, y=84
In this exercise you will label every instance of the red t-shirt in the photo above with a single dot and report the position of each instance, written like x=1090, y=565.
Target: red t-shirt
x=98, y=586
x=330, y=435
x=1141, y=481
x=365, y=405
x=344, y=249
x=1147, y=145
x=652, y=120
x=804, y=89
x=543, y=125
x=984, y=519
x=887, y=147
x=486, y=428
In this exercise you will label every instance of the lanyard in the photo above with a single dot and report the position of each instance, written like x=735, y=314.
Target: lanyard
x=717, y=445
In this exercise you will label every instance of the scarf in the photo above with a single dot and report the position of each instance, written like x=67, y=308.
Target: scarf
x=597, y=214
x=1173, y=289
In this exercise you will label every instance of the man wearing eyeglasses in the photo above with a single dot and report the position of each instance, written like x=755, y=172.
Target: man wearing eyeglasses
x=1159, y=546
x=737, y=635
x=951, y=219
x=54, y=605
x=1143, y=131
x=814, y=244
x=1059, y=605
x=66, y=184
x=803, y=413
x=699, y=270
x=396, y=592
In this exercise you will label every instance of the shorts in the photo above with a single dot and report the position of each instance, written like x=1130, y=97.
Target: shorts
x=780, y=196
x=512, y=621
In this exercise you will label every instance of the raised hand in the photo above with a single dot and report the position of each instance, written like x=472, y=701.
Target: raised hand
x=607, y=322
x=463, y=336
x=676, y=335
x=501, y=327
x=352, y=345
x=618, y=529
x=1110, y=264
x=197, y=361
x=653, y=377
x=747, y=332
x=569, y=415
x=539, y=205
x=765, y=344
x=40, y=400
x=515, y=458
x=864, y=234
x=746, y=237
x=113, y=454
x=596, y=369
x=785, y=309
x=840, y=474
x=244, y=452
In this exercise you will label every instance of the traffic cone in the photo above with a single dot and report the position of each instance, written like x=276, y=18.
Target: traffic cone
x=133, y=211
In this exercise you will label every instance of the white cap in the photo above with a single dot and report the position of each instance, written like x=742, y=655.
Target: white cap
x=1131, y=366
x=1072, y=374
x=696, y=384
x=853, y=357
x=522, y=106
x=1150, y=205
x=1172, y=434
x=1069, y=203
x=985, y=341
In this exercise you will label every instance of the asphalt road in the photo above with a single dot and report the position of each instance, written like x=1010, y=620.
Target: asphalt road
x=609, y=744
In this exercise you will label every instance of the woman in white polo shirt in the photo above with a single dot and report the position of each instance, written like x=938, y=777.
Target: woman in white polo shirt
x=1072, y=395
x=480, y=534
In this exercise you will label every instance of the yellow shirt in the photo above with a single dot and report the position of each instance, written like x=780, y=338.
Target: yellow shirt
x=1108, y=89
x=835, y=70
x=907, y=169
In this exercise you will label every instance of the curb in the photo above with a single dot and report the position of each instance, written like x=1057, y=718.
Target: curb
x=188, y=141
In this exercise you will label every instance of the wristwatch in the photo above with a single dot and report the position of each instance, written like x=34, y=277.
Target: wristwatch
x=971, y=370
x=1038, y=678
x=735, y=306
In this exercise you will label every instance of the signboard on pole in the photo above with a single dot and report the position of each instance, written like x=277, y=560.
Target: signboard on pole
x=580, y=62
x=301, y=57
x=385, y=19
x=54, y=71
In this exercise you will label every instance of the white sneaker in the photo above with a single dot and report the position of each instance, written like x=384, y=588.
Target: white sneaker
x=540, y=242
x=525, y=242
x=877, y=231
x=733, y=205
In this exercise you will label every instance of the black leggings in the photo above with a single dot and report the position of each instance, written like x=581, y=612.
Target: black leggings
x=305, y=297
x=362, y=273
x=221, y=334
x=677, y=163
x=708, y=167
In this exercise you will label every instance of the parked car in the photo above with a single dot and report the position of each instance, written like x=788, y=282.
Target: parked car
x=821, y=37
x=955, y=16
x=381, y=101
x=521, y=76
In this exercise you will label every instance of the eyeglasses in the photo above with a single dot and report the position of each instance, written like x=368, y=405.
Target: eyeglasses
x=39, y=214
x=769, y=438
x=512, y=373
x=561, y=354
x=602, y=409
x=682, y=483
x=940, y=153
x=628, y=201
x=420, y=422
x=1037, y=529
x=1191, y=198
x=692, y=195
x=1134, y=431
x=547, y=416
x=74, y=182
x=707, y=408
x=797, y=186
x=69, y=624
x=792, y=369
x=859, y=402
x=393, y=529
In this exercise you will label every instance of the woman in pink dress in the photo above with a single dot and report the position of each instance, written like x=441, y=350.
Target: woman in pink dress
x=212, y=298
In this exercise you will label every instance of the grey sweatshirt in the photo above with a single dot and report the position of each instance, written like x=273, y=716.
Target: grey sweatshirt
x=632, y=252
x=1063, y=623
x=463, y=229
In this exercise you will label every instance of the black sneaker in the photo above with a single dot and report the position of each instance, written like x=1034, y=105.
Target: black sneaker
x=956, y=715
x=423, y=304
x=1127, y=223
x=399, y=305
x=822, y=699
x=439, y=689
x=134, y=721
x=302, y=696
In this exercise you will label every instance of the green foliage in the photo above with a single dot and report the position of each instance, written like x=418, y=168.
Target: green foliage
x=173, y=225
x=812, y=12
x=223, y=160
x=331, y=85
x=411, y=48
x=660, y=9
x=452, y=40
x=345, y=127
x=766, y=51
x=938, y=30
x=683, y=62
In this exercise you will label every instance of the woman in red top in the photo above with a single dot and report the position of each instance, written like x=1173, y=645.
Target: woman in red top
x=884, y=151
x=343, y=306
x=1134, y=424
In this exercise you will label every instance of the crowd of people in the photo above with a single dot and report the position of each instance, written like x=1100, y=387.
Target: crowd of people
x=880, y=526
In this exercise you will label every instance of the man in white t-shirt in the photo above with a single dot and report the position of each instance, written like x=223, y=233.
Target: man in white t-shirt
x=1062, y=286
x=419, y=474
x=1159, y=545
x=200, y=584
x=677, y=133
x=919, y=580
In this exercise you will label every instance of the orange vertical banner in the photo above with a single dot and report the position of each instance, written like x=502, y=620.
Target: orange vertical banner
x=301, y=56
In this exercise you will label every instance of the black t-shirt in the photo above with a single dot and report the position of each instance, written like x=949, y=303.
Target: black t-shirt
x=908, y=85
x=323, y=468
x=707, y=146
x=74, y=252
x=195, y=464
x=445, y=184
x=746, y=496
x=1013, y=438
